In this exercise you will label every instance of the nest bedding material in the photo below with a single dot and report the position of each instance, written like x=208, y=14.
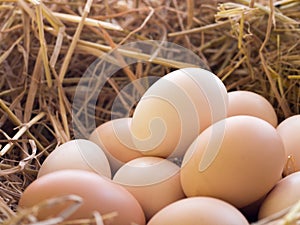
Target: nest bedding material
x=45, y=48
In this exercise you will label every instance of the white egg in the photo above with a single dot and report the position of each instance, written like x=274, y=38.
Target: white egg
x=77, y=154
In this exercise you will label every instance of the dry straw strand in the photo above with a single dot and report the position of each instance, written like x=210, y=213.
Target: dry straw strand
x=17, y=122
x=40, y=24
x=75, y=38
x=22, y=163
x=36, y=78
x=139, y=56
x=7, y=53
x=22, y=131
x=190, y=13
x=88, y=21
x=281, y=100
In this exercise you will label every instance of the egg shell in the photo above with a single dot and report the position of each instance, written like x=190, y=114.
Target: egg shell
x=198, y=211
x=251, y=104
x=289, y=130
x=77, y=154
x=154, y=127
x=276, y=222
x=97, y=192
x=175, y=109
x=153, y=181
x=283, y=195
x=238, y=159
x=115, y=138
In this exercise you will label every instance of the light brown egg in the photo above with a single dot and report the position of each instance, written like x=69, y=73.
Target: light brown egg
x=97, y=192
x=115, y=138
x=175, y=109
x=153, y=181
x=238, y=159
x=77, y=154
x=198, y=211
x=285, y=194
x=289, y=130
x=252, y=104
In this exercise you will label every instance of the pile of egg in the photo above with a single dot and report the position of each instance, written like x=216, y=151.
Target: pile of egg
x=192, y=153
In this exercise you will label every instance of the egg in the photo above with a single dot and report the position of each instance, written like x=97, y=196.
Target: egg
x=283, y=195
x=97, y=192
x=115, y=138
x=153, y=181
x=198, y=211
x=175, y=109
x=252, y=104
x=238, y=159
x=289, y=130
x=275, y=222
x=76, y=154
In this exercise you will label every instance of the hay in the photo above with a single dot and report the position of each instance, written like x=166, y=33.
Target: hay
x=46, y=47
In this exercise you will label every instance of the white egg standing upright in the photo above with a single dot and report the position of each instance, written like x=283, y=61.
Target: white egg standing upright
x=175, y=109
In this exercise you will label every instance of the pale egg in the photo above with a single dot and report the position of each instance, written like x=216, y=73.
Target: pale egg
x=77, y=154
x=238, y=159
x=285, y=194
x=175, y=109
x=98, y=194
x=199, y=211
x=289, y=130
x=153, y=181
x=251, y=104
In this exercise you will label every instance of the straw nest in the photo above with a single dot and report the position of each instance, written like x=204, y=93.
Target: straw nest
x=47, y=46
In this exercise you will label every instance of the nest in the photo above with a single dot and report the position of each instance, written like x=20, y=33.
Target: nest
x=46, y=47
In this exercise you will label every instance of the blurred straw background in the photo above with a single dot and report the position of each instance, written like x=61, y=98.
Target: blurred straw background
x=46, y=46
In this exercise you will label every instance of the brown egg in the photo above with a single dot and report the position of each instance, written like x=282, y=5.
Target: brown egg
x=252, y=104
x=97, y=192
x=77, y=154
x=238, y=159
x=115, y=138
x=285, y=194
x=198, y=211
x=153, y=181
x=175, y=109
x=289, y=130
